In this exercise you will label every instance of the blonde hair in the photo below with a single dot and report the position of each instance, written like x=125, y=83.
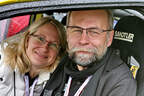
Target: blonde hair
x=15, y=52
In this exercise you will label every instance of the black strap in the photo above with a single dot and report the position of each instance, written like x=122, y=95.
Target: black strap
x=14, y=84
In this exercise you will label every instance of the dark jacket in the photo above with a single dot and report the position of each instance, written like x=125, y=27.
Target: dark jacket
x=112, y=79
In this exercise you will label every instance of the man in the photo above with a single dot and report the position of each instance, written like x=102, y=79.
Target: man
x=91, y=67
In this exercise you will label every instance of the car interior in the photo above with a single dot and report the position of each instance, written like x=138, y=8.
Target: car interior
x=15, y=17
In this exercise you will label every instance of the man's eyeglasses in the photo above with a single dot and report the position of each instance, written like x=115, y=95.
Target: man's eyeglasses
x=91, y=32
x=41, y=41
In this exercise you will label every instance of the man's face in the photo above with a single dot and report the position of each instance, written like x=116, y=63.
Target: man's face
x=86, y=46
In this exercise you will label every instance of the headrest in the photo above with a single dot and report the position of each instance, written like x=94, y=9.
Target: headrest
x=129, y=38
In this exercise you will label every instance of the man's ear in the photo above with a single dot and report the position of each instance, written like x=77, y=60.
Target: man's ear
x=67, y=35
x=67, y=38
x=67, y=42
x=110, y=38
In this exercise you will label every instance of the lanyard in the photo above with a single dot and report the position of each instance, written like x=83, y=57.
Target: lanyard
x=79, y=90
x=27, y=92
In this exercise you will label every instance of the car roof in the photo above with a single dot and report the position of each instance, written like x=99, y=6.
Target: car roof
x=10, y=8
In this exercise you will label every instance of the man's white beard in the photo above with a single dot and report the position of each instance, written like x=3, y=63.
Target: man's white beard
x=83, y=59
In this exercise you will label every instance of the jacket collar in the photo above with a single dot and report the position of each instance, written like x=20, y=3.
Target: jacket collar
x=113, y=60
x=43, y=77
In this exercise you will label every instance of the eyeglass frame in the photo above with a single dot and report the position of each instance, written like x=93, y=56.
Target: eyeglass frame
x=44, y=42
x=100, y=30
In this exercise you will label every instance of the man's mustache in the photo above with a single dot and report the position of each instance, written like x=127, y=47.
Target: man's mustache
x=93, y=50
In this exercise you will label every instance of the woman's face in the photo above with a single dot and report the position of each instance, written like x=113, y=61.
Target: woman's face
x=42, y=46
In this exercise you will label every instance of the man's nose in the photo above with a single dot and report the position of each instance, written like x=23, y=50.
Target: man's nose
x=84, y=39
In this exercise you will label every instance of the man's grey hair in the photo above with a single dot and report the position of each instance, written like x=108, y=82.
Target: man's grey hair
x=109, y=14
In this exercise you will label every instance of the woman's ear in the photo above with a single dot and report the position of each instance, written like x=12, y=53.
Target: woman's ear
x=26, y=43
x=27, y=40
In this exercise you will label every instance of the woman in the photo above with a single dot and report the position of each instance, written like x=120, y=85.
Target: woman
x=28, y=62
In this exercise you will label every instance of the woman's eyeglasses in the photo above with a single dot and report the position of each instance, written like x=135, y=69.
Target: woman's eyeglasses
x=41, y=41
